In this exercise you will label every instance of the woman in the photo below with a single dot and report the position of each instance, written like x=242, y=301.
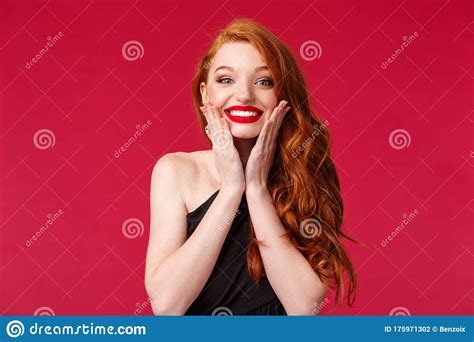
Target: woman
x=252, y=226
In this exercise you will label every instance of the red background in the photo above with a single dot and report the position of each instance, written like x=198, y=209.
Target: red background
x=92, y=98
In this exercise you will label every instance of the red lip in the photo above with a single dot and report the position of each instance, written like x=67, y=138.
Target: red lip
x=240, y=119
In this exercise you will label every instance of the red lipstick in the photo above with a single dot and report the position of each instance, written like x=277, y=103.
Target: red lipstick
x=243, y=119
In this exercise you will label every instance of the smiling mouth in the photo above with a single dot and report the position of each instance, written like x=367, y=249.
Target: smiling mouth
x=243, y=114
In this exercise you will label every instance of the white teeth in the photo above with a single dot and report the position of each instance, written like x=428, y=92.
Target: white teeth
x=242, y=113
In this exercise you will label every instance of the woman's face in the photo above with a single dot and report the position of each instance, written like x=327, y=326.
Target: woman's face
x=240, y=86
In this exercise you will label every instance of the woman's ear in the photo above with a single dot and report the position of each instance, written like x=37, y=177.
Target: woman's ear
x=203, y=90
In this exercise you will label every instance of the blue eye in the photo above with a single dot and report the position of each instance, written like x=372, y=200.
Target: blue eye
x=269, y=82
x=264, y=82
x=225, y=80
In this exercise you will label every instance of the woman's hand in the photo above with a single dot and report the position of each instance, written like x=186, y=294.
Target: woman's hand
x=226, y=156
x=261, y=157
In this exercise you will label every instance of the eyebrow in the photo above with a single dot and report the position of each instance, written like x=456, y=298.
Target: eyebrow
x=263, y=67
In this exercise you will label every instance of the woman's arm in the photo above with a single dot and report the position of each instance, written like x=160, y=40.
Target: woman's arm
x=291, y=276
x=177, y=269
x=293, y=279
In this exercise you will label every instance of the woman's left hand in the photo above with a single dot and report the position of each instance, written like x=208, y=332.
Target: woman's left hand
x=261, y=157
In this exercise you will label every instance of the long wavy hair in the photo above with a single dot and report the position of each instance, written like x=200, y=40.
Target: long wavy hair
x=303, y=181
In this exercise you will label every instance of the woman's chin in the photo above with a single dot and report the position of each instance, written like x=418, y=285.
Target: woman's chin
x=244, y=134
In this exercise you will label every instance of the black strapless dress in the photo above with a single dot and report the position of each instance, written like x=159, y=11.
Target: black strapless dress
x=230, y=288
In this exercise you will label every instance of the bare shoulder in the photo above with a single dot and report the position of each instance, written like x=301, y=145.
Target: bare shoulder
x=171, y=163
x=180, y=169
x=181, y=163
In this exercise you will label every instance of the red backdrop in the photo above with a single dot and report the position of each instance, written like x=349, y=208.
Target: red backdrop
x=401, y=123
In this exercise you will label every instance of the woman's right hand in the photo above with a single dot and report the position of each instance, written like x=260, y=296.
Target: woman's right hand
x=226, y=156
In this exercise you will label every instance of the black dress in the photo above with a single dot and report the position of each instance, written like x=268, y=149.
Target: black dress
x=230, y=290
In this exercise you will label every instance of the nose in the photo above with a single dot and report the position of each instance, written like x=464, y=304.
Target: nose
x=244, y=93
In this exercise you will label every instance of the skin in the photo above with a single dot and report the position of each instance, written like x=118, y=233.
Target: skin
x=240, y=160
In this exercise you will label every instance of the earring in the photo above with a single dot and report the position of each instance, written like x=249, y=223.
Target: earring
x=207, y=129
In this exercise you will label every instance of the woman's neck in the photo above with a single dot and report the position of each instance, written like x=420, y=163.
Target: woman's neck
x=244, y=147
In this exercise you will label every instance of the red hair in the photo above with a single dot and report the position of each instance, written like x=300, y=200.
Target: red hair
x=303, y=181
